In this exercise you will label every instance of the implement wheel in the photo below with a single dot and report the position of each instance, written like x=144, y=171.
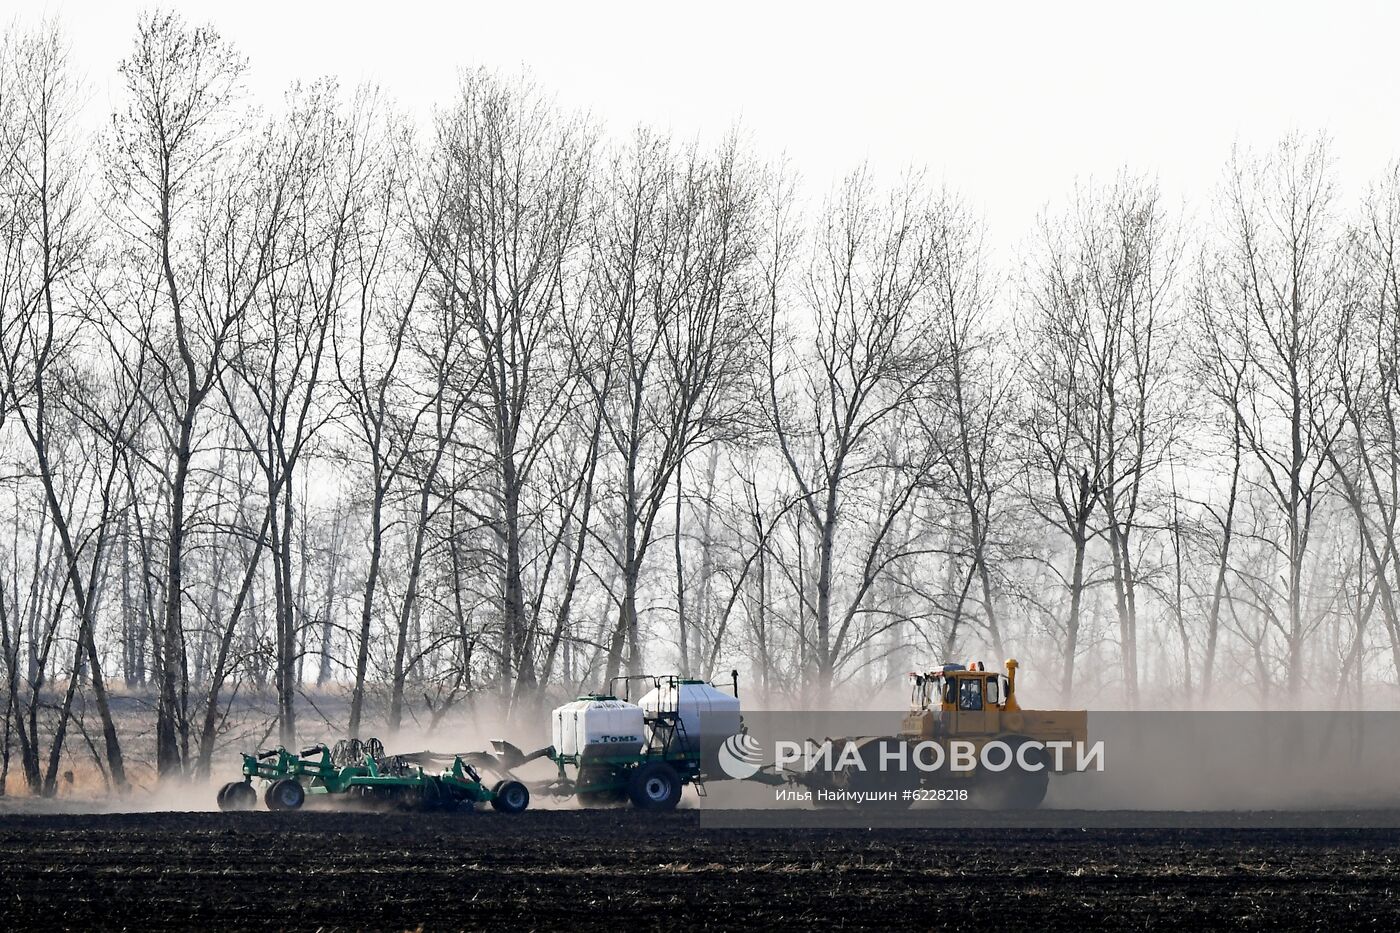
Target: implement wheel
x=655, y=785
x=510, y=797
x=238, y=795
x=285, y=794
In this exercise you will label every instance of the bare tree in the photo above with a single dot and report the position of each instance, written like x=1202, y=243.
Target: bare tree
x=178, y=198
x=46, y=382
x=671, y=322
x=375, y=365
x=842, y=406
x=509, y=180
x=323, y=161
x=1221, y=379
x=1366, y=456
x=1275, y=296
x=1100, y=411
x=969, y=425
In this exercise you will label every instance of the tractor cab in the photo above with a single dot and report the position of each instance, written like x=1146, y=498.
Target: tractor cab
x=960, y=699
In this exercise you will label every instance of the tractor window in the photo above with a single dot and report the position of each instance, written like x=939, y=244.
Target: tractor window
x=970, y=694
x=992, y=692
x=950, y=690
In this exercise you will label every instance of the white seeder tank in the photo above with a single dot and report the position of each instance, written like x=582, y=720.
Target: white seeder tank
x=708, y=715
x=595, y=725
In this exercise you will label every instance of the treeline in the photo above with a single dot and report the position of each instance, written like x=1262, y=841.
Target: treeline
x=324, y=404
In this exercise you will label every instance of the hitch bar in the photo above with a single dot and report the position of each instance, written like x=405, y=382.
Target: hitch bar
x=512, y=757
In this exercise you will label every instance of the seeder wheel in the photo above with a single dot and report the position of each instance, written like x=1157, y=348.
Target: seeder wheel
x=655, y=785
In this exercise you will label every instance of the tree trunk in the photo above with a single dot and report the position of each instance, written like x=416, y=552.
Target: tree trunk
x=376, y=546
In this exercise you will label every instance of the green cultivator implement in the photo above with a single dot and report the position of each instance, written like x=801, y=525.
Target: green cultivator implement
x=362, y=771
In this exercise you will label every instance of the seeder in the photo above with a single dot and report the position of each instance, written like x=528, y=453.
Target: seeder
x=363, y=771
x=609, y=750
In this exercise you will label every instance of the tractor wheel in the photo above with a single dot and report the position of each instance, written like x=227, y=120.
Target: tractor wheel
x=655, y=785
x=880, y=777
x=510, y=797
x=285, y=794
x=239, y=796
x=223, y=793
x=1012, y=789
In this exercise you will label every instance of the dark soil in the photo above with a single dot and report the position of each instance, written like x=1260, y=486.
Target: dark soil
x=623, y=870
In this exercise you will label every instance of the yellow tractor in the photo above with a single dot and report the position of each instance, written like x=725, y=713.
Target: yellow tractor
x=968, y=701
x=971, y=743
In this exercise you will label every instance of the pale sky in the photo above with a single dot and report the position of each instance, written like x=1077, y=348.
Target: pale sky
x=1007, y=103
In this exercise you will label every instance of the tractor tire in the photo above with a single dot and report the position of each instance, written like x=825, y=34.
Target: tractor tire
x=878, y=778
x=1027, y=791
x=238, y=795
x=655, y=786
x=285, y=794
x=223, y=792
x=1018, y=790
x=510, y=797
x=1012, y=789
